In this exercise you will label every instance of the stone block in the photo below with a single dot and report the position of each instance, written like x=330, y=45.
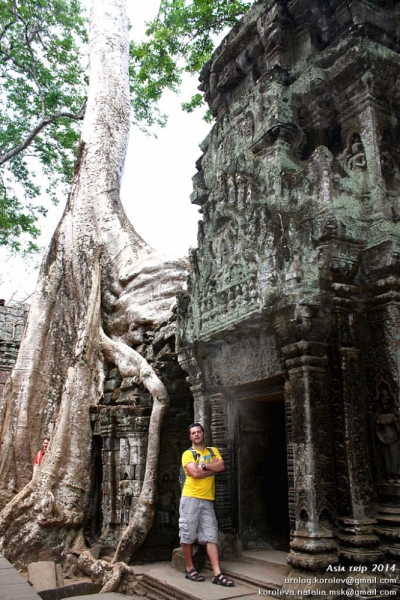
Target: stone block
x=70, y=566
x=140, y=471
x=127, y=471
x=42, y=575
x=137, y=454
x=126, y=488
x=109, y=473
x=82, y=589
x=136, y=487
x=130, y=396
x=124, y=451
x=178, y=561
x=59, y=576
x=110, y=507
x=107, y=399
x=117, y=459
x=110, y=444
x=116, y=394
x=111, y=384
x=108, y=457
x=96, y=550
x=146, y=400
x=142, y=424
x=108, y=487
x=129, y=383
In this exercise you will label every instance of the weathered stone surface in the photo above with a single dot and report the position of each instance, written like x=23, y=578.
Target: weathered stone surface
x=289, y=328
x=42, y=575
x=12, y=323
x=120, y=430
x=290, y=320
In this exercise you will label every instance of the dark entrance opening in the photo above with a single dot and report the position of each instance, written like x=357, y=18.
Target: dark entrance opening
x=263, y=515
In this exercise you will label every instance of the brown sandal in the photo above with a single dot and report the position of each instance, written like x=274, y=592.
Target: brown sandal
x=194, y=575
x=221, y=579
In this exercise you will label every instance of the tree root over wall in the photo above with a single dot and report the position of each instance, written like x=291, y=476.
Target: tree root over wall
x=91, y=300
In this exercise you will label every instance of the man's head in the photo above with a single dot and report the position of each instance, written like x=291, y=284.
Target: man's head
x=46, y=442
x=196, y=433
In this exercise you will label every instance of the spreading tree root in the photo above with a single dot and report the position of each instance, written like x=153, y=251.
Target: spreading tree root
x=111, y=575
x=131, y=363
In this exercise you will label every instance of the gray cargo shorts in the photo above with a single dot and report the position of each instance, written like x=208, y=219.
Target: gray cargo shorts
x=197, y=520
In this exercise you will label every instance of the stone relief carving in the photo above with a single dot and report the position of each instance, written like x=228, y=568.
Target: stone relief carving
x=387, y=424
x=301, y=220
x=355, y=154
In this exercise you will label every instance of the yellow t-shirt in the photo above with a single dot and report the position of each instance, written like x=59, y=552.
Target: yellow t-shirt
x=203, y=488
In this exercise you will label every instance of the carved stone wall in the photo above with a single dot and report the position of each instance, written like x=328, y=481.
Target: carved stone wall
x=12, y=323
x=120, y=427
x=119, y=444
x=296, y=278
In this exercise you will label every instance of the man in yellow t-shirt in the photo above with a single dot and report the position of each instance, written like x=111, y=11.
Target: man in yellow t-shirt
x=196, y=510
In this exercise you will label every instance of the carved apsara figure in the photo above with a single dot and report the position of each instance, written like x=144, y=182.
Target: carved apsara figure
x=387, y=425
x=356, y=154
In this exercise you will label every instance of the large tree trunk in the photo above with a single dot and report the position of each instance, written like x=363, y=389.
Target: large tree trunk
x=89, y=301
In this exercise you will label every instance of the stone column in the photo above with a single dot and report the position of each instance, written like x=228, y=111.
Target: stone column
x=201, y=400
x=220, y=439
x=359, y=542
x=384, y=326
x=313, y=470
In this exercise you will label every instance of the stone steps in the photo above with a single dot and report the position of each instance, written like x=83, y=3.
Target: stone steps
x=270, y=558
x=264, y=569
x=258, y=569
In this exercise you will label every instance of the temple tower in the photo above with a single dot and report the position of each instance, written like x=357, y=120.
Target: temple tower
x=291, y=321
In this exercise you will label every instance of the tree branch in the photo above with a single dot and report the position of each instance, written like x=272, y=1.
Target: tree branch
x=36, y=130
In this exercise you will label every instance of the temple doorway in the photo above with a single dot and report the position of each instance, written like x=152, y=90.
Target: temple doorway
x=263, y=508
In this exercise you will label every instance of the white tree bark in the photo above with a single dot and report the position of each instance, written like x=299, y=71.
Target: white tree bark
x=92, y=299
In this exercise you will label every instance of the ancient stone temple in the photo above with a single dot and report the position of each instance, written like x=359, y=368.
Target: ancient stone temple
x=120, y=425
x=291, y=324
x=12, y=324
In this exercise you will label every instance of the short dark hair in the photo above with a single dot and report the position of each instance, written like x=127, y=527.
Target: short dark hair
x=195, y=425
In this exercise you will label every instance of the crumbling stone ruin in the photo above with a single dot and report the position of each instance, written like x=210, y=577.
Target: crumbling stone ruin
x=120, y=427
x=288, y=331
x=12, y=324
x=120, y=435
x=290, y=324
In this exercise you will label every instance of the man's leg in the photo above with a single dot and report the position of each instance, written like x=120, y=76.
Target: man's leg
x=213, y=555
x=188, y=556
x=188, y=519
x=208, y=532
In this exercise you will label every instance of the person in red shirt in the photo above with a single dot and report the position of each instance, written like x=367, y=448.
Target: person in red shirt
x=40, y=455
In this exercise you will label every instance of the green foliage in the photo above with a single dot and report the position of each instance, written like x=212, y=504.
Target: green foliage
x=42, y=90
x=16, y=219
x=41, y=102
x=179, y=39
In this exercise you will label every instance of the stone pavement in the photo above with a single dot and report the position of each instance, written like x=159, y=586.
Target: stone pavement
x=259, y=569
x=12, y=585
x=109, y=596
x=166, y=582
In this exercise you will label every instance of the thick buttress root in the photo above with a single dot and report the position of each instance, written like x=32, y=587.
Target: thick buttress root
x=101, y=571
x=130, y=363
